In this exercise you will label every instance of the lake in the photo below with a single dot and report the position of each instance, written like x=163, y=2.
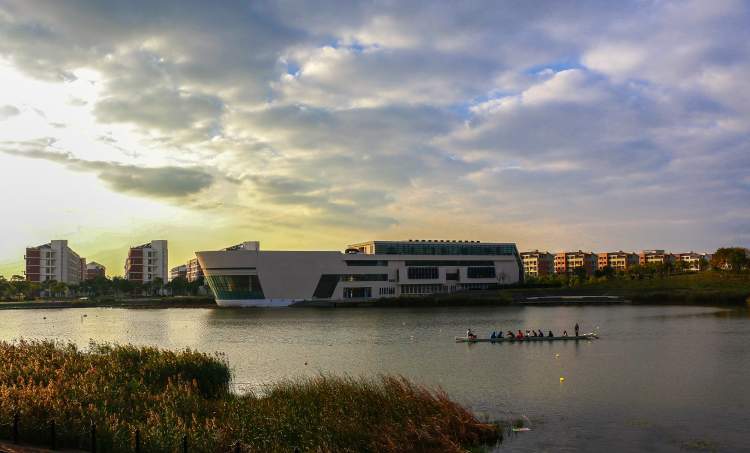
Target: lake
x=661, y=378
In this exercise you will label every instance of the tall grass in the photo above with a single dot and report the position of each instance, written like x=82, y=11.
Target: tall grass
x=169, y=394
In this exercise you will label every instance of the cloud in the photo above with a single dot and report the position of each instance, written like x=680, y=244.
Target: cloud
x=7, y=111
x=159, y=182
x=407, y=116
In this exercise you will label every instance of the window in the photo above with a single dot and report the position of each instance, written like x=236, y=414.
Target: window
x=451, y=275
x=234, y=287
x=481, y=272
x=388, y=291
x=364, y=277
x=357, y=293
x=449, y=263
x=422, y=289
x=422, y=273
x=366, y=263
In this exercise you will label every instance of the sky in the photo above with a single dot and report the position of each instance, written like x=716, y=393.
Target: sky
x=310, y=125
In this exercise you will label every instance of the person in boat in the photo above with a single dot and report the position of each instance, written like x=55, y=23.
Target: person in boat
x=565, y=333
x=550, y=334
x=519, y=335
x=470, y=335
x=511, y=335
x=499, y=334
x=492, y=337
x=527, y=333
x=576, y=329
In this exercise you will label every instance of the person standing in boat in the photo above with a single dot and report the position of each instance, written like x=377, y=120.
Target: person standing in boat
x=576, y=329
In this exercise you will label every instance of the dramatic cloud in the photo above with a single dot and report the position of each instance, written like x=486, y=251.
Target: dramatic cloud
x=167, y=182
x=553, y=124
x=7, y=111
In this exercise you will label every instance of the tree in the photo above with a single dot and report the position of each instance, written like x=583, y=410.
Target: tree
x=730, y=258
x=178, y=286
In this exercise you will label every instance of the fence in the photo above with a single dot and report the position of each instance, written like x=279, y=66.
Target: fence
x=51, y=441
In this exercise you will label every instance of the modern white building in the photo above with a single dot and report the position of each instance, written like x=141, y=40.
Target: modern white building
x=147, y=262
x=245, y=276
x=54, y=261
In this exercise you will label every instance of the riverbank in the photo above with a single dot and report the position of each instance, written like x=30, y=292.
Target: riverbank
x=704, y=288
x=169, y=396
x=142, y=302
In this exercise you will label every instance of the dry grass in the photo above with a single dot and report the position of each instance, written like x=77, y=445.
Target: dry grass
x=170, y=394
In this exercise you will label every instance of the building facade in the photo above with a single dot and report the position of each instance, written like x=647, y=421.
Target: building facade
x=538, y=264
x=147, y=262
x=94, y=270
x=54, y=261
x=619, y=261
x=177, y=272
x=567, y=262
x=692, y=261
x=244, y=275
x=194, y=270
x=655, y=257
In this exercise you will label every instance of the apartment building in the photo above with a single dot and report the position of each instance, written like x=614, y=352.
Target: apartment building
x=619, y=261
x=194, y=270
x=692, y=260
x=178, y=272
x=567, y=262
x=94, y=270
x=148, y=261
x=655, y=257
x=54, y=261
x=537, y=264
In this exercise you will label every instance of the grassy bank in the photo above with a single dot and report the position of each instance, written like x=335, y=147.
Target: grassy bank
x=139, y=302
x=167, y=395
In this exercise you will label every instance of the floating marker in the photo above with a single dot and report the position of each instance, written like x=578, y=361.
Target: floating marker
x=562, y=379
x=557, y=355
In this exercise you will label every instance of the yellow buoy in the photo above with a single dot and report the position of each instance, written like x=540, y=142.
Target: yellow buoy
x=557, y=355
x=562, y=379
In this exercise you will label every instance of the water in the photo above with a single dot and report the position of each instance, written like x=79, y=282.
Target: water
x=660, y=378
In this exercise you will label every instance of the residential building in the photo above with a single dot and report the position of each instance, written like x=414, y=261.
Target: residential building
x=177, y=272
x=194, y=270
x=54, y=261
x=147, y=262
x=567, y=262
x=94, y=270
x=619, y=261
x=692, y=260
x=538, y=264
x=655, y=257
x=243, y=275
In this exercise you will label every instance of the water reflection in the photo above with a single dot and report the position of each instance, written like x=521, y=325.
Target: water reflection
x=659, y=379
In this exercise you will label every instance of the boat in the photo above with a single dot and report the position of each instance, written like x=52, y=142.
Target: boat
x=586, y=336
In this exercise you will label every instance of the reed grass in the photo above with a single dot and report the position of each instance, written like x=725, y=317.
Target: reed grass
x=167, y=395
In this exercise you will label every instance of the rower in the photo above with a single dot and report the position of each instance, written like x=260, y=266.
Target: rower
x=519, y=335
x=565, y=333
x=541, y=334
x=493, y=335
x=511, y=335
x=469, y=333
x=576, y=328
x=550, y=334
x=500, y=334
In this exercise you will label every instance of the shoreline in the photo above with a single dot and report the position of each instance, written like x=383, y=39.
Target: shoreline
x=509, y=297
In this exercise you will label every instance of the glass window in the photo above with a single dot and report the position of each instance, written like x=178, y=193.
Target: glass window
x=235, y=287
x=481, y=272
x=356, y=293
x=422, y=273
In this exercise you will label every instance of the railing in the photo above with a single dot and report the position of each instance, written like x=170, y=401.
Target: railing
x=52, y=439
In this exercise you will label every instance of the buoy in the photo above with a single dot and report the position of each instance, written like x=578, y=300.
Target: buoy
x=557, y=355
x=562, y=379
